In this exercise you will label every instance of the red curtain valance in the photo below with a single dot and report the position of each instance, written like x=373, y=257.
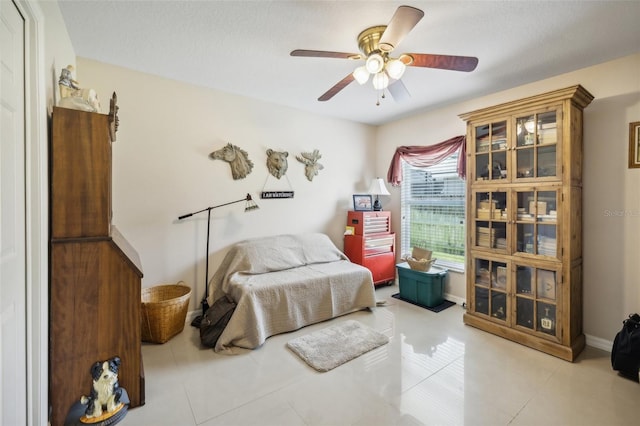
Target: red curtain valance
x=425, y=156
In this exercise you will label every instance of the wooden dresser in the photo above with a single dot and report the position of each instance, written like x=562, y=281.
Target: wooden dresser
x=95, y=274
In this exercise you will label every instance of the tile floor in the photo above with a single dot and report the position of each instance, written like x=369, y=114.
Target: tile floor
x=434, y=370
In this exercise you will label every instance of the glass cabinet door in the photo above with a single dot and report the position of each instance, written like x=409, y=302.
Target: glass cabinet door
x=537, y=222
x=536, y=299
x=491, y=151
x=490, y=223
x=537, y=138
x=490, y=288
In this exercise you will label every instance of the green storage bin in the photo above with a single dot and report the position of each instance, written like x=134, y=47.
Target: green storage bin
x=422, y=287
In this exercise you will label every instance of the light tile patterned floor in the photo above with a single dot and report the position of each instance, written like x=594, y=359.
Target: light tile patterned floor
x=435, y=370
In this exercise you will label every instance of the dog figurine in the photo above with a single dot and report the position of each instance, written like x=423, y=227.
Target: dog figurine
x=106, y=392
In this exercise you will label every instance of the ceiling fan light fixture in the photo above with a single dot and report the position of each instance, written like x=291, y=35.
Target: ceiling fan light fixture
x=395, y=68
x=406, y=59
x=361, y=75
x=374, y=63
x=385, y=47
x=380, y=81
x=376, y=44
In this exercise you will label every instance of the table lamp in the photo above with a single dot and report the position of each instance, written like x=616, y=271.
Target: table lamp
x=378, y=188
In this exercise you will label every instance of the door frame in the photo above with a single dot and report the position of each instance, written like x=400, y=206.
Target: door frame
x=36, y=213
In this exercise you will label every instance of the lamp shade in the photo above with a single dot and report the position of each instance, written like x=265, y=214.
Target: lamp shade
x=395, y=68
x=380, y=81
x=361, y=75
x=378, y=187
x=374, y=63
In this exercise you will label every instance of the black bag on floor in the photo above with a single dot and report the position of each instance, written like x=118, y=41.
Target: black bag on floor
x=625, y=355
x=215, y=320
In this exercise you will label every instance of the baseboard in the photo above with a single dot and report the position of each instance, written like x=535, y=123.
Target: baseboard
x=599, y=343
x=457, y=300
x=593, y=341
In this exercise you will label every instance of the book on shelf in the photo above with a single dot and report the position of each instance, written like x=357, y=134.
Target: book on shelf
x=547, y=246
x=482, y=145
x=486, y=214
x=486, y=237
x=498, y=144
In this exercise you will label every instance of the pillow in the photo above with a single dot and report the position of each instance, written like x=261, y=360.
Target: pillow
x=280, y=252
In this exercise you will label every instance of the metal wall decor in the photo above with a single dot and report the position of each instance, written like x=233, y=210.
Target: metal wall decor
x=237, y=158
x=277, y=165
x=277, y=162
x=311, y=165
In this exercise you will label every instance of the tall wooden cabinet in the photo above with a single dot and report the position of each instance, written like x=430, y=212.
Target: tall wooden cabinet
x=95, y=274
x=524, y=224
x=372, y=244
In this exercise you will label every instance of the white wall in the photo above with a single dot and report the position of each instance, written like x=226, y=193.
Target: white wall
x=611, y=199
x=59, y=51
x=161, y=170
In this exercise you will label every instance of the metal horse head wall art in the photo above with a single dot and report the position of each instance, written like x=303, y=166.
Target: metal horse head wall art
x=237, y=158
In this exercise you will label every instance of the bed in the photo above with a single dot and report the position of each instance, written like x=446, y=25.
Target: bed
x=285, y=282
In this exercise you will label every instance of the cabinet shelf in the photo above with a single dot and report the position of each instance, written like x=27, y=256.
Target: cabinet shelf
x=524, y=195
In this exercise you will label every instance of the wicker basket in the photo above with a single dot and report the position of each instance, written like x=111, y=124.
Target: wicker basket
x=164, y=310
x=420, y=253
x=420, y=259
x=420, y=264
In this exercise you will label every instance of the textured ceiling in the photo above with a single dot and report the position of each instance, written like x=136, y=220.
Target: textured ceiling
x=242, y=47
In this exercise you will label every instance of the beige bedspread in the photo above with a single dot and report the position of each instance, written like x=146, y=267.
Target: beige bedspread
x=285, y=282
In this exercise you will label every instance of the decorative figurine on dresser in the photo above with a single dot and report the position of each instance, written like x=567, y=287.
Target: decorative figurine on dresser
x=95, y=274
x=74, y=97
x=524, y=228
x=372, y=244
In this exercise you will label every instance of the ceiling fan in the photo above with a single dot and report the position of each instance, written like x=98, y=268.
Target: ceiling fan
x=376, y=44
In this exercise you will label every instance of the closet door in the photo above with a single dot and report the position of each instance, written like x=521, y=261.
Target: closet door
x=13, y=373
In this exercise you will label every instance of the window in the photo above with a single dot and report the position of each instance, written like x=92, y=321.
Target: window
x=433, y=211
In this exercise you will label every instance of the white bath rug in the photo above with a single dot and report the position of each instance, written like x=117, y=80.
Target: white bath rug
x=332, y=346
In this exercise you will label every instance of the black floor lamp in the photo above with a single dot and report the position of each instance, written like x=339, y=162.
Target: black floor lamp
x=251, y=205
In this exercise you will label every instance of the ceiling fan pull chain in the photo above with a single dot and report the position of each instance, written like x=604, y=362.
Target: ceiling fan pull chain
x=380, y=94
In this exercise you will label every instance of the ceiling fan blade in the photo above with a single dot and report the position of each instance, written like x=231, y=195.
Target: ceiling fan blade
x=335, y=89
x=399, y=91
x=403, y=21
x=444, y=62
x=324, y=54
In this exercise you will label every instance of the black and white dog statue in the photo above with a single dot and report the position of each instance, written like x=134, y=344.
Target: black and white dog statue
x=106, y=392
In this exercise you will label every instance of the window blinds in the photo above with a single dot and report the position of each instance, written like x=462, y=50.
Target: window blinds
x=433, y=211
